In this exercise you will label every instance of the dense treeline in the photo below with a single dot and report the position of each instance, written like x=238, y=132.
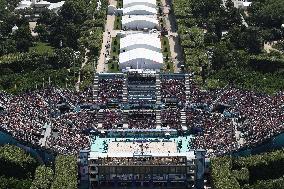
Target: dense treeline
x=74, y=33
x=221, y=50
x=17, y=168
x=43, y=178
x=263, y=171
x=26, y=71
x=65, y=172
x=21, y=171
x=16, y=163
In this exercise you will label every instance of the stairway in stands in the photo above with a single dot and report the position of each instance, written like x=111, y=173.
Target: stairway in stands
x=100, y=117
x=158, y=117
x=183, y=117
x=158, y=89
x=125, y=91
x=96, y=87
x=125, y=116
x=187, y=87
x=158, y=100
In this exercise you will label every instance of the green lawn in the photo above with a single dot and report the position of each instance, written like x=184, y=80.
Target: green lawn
x=167, y=54
x=117, y=23
x=159, y=3
x=162, y=22
x=113, y=66
x=41, y=48
x=119, y=4
x=114, y=55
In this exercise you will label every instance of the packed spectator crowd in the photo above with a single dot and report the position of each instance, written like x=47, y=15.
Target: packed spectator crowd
x=173, y=89
x=70, y=131
x=111, y=118
x=140, y=119
x=171, y=117
x=24, y=115
x=110, y=90
x=254, y=116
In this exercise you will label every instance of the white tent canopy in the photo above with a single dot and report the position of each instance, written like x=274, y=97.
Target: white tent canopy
x=140, y=40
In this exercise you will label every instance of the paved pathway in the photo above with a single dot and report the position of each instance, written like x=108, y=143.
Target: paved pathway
x=107, y=36
x=77, y=85
x=175, y=47
x=46, y=134
x=268, y=46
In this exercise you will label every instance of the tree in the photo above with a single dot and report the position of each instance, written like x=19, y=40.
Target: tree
x=42, y=32
x=221, y=56
x=7, y=46
x=65, y=172
x=15, y=162
x=46, y=17
x=253, y=40
x=267, y=14
x=74, y=11
x=23, y=38
x=43, y=178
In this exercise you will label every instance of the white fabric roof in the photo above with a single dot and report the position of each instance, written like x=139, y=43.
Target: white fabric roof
x=15, y=27
x=246, y=4
x=24, y=4
x=42, y=3
x=133, y=18
x=126, y=2
x=56, y=5
x=140, y=8
x=140, y=38
x=141, y=53
x=27, y=4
